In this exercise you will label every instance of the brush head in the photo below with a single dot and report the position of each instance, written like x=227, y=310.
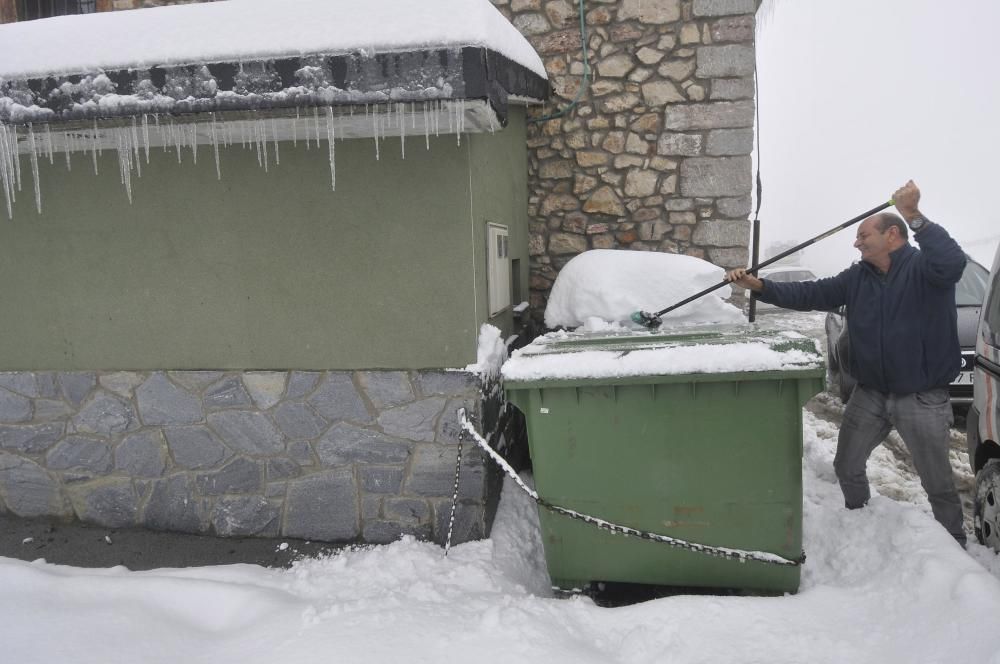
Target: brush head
x=646, y=319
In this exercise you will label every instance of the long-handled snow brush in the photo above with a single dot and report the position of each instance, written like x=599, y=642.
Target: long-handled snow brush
x=652, y=320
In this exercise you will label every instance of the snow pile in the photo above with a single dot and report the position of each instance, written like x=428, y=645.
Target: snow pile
x=490, y=353
x=544, y=360
x=613, y=284
x=242, y=30
x=880, y=585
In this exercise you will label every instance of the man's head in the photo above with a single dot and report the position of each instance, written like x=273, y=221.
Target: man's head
x=878, y=236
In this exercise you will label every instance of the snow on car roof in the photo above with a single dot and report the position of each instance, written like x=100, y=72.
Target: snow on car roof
x=241, y=30
x=784, y=268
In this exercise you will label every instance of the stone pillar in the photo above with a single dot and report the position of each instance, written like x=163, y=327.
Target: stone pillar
x=8, y=11
x=656, y=154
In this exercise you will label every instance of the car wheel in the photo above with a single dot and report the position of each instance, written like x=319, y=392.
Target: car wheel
x=986, y=506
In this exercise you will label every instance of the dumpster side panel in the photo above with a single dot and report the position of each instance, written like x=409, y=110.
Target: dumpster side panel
x=717, y=463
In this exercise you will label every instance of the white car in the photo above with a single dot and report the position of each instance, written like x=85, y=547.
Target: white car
x=782, y=273
x=982, y=425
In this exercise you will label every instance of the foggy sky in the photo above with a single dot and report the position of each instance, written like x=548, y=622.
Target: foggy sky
x=858, y=96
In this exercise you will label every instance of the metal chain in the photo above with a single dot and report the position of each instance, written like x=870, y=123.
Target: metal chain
x=717, y=551
x=454, y=495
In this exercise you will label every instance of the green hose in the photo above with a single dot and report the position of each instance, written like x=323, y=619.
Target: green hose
x=586, y=74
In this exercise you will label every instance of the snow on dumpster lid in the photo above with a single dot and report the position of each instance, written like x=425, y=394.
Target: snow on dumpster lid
x=612, y=284
x=241, y=30
x=581, y=355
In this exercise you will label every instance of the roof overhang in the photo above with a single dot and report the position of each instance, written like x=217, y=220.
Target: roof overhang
x=280, y=85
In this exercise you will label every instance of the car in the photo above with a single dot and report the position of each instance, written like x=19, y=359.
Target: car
x=969, y=294
x=783, y=273
x=982, y=425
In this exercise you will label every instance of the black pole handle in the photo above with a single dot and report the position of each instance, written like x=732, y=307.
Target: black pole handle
x=775, y=259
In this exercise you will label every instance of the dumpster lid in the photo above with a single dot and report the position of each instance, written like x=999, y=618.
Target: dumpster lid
x=627, y=353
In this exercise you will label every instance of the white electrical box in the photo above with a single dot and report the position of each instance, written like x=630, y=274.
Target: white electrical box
x=498, y=267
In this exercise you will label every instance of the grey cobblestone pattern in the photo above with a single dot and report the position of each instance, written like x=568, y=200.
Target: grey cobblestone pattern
x=332, y=456
x=655, y=157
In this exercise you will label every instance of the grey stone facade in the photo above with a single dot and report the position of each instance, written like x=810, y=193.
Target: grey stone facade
x=656, y=154
x=336, y=456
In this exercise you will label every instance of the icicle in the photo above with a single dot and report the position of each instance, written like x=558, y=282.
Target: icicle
x=331, y=144
x=48, y=140
x=427, y=129
x=134, y=138
x=261, y=144
x=215, y=149
x=178, y=139
x=402, y=131
x=262, y=133
x=192, y=136
x=6, y=168
x=159, y=131
x=145, y=134
x=33, y=147
x=274, y=136
x=375, y=130
x=93, y=147
x=125, y=159
x=316, y=122
x=295, y=129
x=69, y=149
x=413, y=115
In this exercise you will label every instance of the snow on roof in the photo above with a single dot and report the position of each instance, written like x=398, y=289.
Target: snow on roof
x=241, y=30
x=612, y=284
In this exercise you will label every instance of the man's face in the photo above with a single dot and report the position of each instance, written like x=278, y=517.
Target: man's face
x=872, y=242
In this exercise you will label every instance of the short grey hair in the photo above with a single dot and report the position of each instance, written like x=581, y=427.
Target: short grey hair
x=887, y=219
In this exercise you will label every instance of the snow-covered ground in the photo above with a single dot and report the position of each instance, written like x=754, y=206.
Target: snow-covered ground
x=884, y=584
x=880, y=585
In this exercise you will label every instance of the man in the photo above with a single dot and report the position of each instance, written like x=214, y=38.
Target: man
x=904, y=345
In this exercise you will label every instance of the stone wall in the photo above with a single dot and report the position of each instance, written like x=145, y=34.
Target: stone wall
x=656, y=154
x=333, y=456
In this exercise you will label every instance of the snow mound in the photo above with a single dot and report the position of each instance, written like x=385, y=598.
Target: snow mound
x=611, y=285
x=490, y=353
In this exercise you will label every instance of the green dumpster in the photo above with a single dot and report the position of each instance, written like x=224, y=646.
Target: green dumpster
x=696, y=436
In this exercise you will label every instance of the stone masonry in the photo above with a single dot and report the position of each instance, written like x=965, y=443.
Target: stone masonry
x=656, y=154
x=335, y=456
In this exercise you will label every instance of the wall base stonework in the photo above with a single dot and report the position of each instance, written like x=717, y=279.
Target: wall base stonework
x=336, y=456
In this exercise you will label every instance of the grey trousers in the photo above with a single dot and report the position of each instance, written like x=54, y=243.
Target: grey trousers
x=923, y=420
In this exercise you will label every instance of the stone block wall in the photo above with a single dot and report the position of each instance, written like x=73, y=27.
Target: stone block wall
x=656, y=154
x=333, y=456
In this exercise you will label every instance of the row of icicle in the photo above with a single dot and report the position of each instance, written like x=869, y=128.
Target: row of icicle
x=132, y=141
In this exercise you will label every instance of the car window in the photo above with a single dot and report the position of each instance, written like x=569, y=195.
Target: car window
x=971, y=288
x=789, y=275
x=992, y=313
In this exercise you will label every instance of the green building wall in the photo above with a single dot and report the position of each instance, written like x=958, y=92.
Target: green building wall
x=263, y=270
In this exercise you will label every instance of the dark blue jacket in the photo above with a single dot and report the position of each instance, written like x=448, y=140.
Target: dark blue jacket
x=902, y=326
